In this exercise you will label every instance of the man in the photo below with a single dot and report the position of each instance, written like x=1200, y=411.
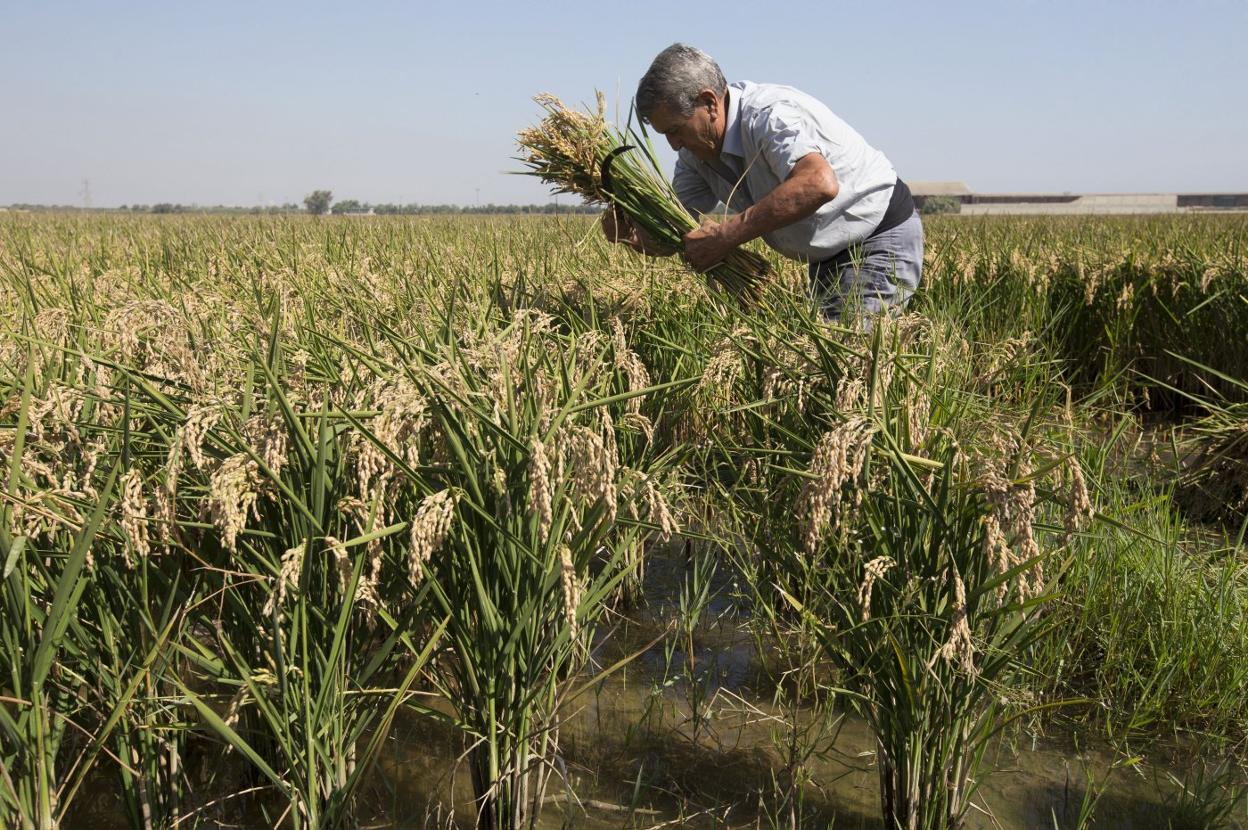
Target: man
x=789, y=171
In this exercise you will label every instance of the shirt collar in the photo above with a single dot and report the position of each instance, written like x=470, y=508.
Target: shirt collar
x=732, y=129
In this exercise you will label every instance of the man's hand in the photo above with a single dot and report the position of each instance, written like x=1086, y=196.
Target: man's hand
x=619, y=228
x=706, y=247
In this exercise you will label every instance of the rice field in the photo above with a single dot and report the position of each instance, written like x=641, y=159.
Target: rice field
x=390, y=522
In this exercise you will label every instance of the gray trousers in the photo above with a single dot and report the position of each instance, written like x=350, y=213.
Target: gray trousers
x=877, y=274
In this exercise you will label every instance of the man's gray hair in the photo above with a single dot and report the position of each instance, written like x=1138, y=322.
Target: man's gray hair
x=675, y=78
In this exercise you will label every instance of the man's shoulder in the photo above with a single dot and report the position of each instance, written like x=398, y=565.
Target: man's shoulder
x=761, y=95
x=763, y=103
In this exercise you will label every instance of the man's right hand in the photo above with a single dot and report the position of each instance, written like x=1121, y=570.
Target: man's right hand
x=619, y=228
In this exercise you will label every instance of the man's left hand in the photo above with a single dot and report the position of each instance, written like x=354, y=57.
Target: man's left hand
x=707, y=246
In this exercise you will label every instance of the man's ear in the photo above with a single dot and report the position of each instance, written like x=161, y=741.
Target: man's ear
x=710, y=100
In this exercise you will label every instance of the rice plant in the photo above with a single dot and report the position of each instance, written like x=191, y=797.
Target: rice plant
x=273, y=485
x=539, y=511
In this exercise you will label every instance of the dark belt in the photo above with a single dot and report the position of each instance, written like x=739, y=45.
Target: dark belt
x=900, y=208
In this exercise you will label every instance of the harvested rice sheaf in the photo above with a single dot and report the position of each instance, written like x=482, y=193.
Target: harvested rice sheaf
x=581, y=153
x=1214, y=484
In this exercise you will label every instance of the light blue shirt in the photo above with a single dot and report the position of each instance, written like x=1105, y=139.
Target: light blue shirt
x=769, y=128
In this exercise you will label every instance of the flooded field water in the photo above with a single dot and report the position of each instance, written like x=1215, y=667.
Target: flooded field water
x=648, y=748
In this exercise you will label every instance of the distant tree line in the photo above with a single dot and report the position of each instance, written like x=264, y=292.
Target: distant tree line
x=415, y=210
x=345, y=206
x=322, y=201
x=163, y=207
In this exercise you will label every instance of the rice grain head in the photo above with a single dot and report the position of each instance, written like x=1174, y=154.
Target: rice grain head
x=268, y=437
x=571, y=586
x=997, y=552
x=193, y=434
x=657, y=511
x=630, y=365
x=403, y=416
x=287, y=579
x=959, y=646
x=430, y=527
x=133, y=509
x=723, y=368
x=838, y=458
x=593, y=467
x=872, y=571
x=1013, y=505
x=1080, y=510
x=541, y=489
x=342, y=562
x=233, y=491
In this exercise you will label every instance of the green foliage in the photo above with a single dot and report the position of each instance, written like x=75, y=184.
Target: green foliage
x=933, y=205
x=317, y=202
x=348, y=206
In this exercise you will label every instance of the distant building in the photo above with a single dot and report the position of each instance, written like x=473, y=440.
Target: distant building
x=924, y=189
x=1076, y=203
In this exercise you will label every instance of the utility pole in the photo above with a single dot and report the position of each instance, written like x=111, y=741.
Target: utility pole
x=85, y=193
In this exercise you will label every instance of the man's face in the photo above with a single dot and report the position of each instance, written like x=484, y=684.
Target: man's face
x=702, y=133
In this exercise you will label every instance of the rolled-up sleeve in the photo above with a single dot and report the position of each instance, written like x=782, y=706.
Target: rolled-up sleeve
x=785, y=136
x=692, y=190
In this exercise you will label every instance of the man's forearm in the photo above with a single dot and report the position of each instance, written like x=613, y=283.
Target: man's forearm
x=811, y=185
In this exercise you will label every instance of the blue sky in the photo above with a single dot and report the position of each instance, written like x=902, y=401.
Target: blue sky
x=246, y=103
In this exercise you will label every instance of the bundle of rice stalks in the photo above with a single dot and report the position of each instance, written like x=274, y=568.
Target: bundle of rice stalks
x=1214, y=485
x=581, y=153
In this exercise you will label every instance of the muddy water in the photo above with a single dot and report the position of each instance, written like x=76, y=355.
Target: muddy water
x=649, y=747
